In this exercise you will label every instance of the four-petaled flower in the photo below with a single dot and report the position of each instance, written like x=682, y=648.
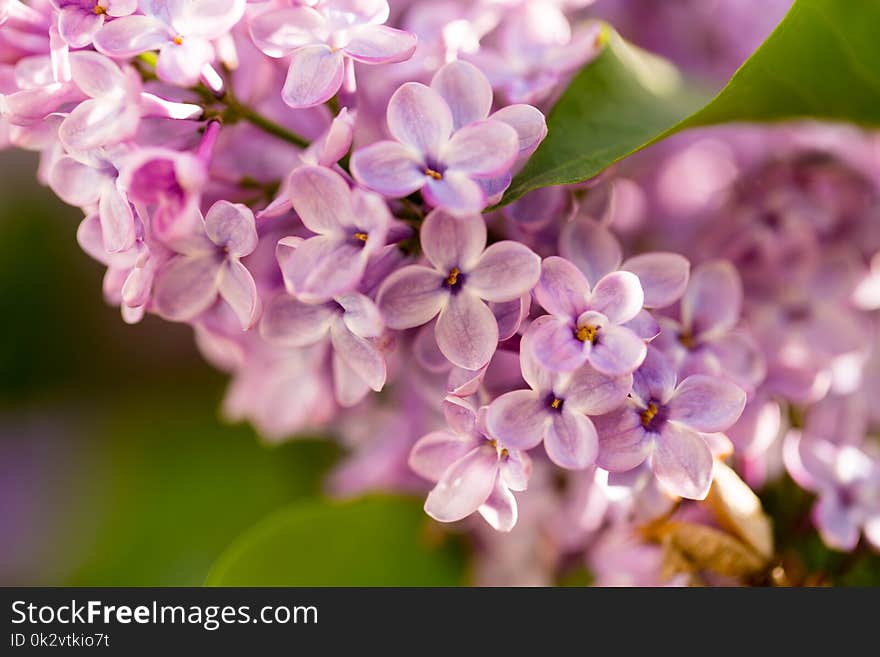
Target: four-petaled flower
x=473, y=471
x=208, y=264
x=461, y=279
x=663, y=422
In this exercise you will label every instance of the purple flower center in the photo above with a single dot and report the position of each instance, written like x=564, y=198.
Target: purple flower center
x=434, y=170
x=686, y=338
x=554, y=403
x=653, y=417
x=360, y=238
x=455, y=280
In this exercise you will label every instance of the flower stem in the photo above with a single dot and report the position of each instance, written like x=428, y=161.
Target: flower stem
x=258, y=120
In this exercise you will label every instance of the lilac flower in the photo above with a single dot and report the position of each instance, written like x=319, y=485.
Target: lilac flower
x=208, y=265
x=350, y=321
x=463, y=275
x=445, y=145
x=350, y=227
x=705, y=341
x=325, y=41
x=181, y=30
x=473, y=471
x=846, y=479
x=663, y=422
x=80, y=20
x=555, y=410
x=586, y=325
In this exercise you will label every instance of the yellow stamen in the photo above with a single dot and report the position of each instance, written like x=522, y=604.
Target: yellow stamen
x=178, y=40
x=98, y=10
x=587, y=333
x=687, y=339
x=361, y=236
x=452, y=279
x=648, y=414
x=556, y=403
x=436, y=175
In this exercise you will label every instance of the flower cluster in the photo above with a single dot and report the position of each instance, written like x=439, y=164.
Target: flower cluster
x=310, y=185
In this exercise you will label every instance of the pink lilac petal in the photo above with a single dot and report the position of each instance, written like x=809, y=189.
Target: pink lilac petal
x=359, y=354
x=182, y=64
x=459, y=415
x=707, y=403
x=388, y=167
x=314, y=76
x=280, y=32
x=591, y=247
x=131, y=35
x=98, y=122
x=321, y=198
x=324, y=267
x=618, y=296
x=834, y=524
x=619, y=351
x=663, y=276
x=117, y=219
x=571, y=441
x=349, y=389
x=655, y=379
x=510, y=315
x=419, y=117
x=466, y=331
x=238, y=289
x=456, y=193
x=682, y=462
x=593, y=393
x=713, y=299
x=288, y=321
x=379, y=44
x=482, y=149
x=78, y=27
x=449, y=241
x=464, y=486
x=623, y=442
x=361, y=315
x=643, y=325
x=516, y=470
x=499, y=509
x=466, y=90
x=411, y=296
x=528, y=122
x=518, y=419
x=435, y=452
x=506, y=270
x=231, y=226
x=74, y=182
x=553, y=344
x=187, y=286
x=562, y=289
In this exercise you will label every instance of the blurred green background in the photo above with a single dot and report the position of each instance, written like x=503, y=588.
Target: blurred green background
x=115, y=468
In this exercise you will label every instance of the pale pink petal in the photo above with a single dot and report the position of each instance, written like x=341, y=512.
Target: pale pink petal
x=131, y=35
x=288, y=321
x=483, y=149
x=359, y=354
x=682, y=462
x=321, y=198
x=527, y=121
x=562, y=289
x=518, y=419
x=419, y=117
x=389, y=168
x=411, y=296
x=623, y=442
x=281, y=31
x=618, y=351
x=591, y=247
x=460, y=415
x=516, y=469
x=117, y=219
x=506, y=270
x=324, y=267
x=380, y=44
x=187, y=286
x=664, y=277
x=238, y=289
x=449, y=241
x=618, y=296
x=466, y=331
x=231, y=226
x=435, y=452
x=98, y=122
x=655, y=378
x=555, y=346
x=466, y=90
x=464, y=486
x=456, y=193
x=499, y=509
x=314, y=76
x=571, y=441
x=510, y=315
x=182, y=64
x=707, y=403
x=74, y=182
x=712, y=302
x=593, y=393
x=361, y=315
x=77, y=27
x=835, y=524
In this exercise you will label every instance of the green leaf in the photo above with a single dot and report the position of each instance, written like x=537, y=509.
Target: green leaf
x=819, y=63
x=373, y=541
